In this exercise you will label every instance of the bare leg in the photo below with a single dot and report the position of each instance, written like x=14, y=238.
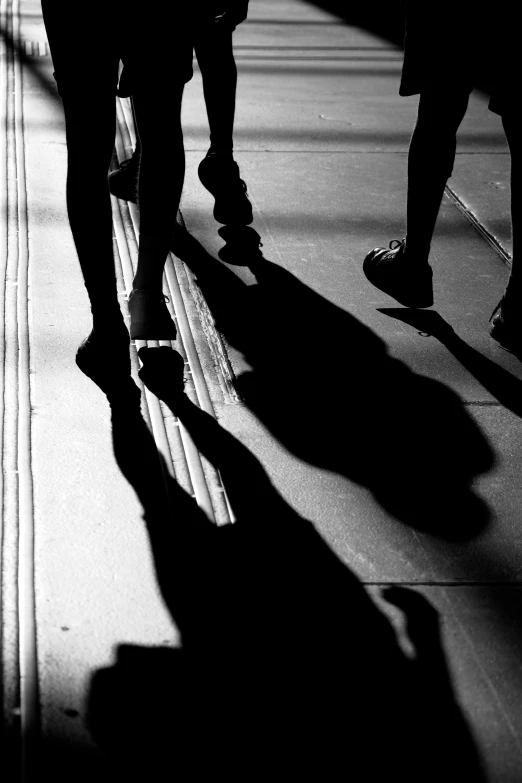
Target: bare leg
x=218, y=70
x=160, y=184
x=90, y=142
x=218, y=171
x=402, y=271
x=430, y=163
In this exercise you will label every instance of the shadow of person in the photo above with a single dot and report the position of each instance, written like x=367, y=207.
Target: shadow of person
x=287, y=668
x=500, y=383
x=327, y=388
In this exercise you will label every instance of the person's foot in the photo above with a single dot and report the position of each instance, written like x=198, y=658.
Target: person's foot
x=219, y=174
x=150, y=318
x=162, y=372
x=506, y=326
x=123, y=182
x=104, y=357
x=389, y=270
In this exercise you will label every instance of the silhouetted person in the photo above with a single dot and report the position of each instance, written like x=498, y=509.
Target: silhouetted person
x=218, y=171
x=449, y=48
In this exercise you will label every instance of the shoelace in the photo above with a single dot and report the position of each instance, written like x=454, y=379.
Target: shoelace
x=396, y=243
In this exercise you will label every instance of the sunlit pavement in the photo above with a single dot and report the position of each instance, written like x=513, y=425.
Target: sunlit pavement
x=396, y=432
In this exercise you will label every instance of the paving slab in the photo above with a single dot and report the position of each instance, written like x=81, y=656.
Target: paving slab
x=482, y=637
x=475, y=535
x=483, y=184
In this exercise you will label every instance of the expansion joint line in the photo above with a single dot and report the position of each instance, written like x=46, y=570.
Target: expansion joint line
x=478, y=226
x=17, y=484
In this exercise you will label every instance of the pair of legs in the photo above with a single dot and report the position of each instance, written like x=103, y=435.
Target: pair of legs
x=214, y=52
x=218, y=172
x=90, y=143
x=88, y=91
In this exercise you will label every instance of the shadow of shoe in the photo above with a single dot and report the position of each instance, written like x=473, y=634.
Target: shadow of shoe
x=501, y=384
x=108, y=366
x=242, y=245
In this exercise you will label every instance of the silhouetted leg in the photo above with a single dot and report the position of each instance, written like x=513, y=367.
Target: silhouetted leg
x=512, y=129
x=160, y=183
x=402, y=271
x=219, y=73
x=430, y=163
x=87, y=90
x=90, y=143
x=218, y=171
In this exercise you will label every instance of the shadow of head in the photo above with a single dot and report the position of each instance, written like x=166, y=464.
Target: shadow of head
x=286, y=662
x=361, y=709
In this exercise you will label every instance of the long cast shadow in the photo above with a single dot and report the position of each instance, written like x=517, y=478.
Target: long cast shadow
x=327, y=388
x=500, y=383
x=287, y=668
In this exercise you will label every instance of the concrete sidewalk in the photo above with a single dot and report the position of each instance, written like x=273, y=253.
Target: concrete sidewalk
x=396, y=433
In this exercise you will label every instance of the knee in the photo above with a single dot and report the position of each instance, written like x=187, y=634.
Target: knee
x=441, y=113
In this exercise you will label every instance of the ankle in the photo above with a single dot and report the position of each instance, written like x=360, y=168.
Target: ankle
x=416, y=252
x=221, y=150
